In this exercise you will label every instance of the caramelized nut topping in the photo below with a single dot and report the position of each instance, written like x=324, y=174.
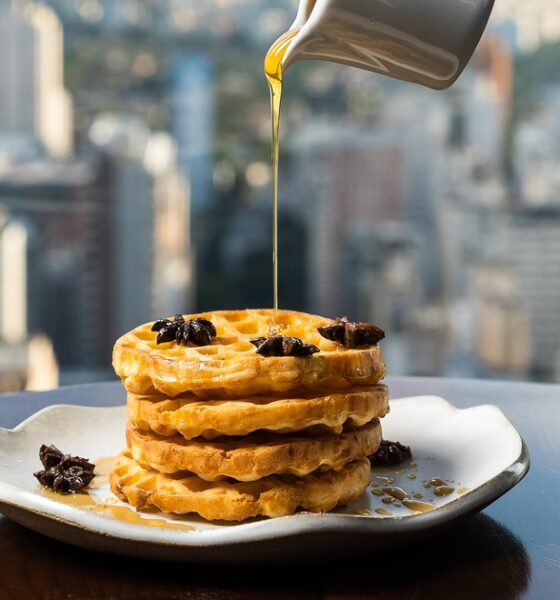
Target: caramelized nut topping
x=197, y=331
x=390, y=454
x=283, y=345
x=352, y=334
x=62, y=472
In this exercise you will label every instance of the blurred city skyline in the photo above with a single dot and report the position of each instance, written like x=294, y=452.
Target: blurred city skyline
x=135, y=183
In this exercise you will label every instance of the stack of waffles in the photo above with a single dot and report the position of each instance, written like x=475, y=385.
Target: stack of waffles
x=225, y=432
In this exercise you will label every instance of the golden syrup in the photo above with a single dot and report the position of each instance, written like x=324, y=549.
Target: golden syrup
x=364, y=512
x=418, y=505
x=396, y=492
x=273, y=72
x=86, y=501
x=444, y=490
x=388, y=480
x=79, y=499
x=128, y=515
x=436, y=481
x=383, y=511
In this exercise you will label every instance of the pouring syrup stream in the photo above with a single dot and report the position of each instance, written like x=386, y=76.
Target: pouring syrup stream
x=273, y=72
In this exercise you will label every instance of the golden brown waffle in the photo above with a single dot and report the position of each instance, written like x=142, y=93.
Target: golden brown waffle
x=255, y=456
x=282, y=413
x=274, y=496
x=230, y=366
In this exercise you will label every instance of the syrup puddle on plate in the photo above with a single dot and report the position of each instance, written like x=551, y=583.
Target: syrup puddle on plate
x=411, y=488
x=392, y=492
x=99, y=499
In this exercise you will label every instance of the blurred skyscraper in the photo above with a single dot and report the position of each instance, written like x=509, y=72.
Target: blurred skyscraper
x=373, y=176
x=530, y=242
x=537, y=21
x=13, y=281
x=96, y=240
x=346, y=175
x=501, y=335
x=64, y=205
x=27, y=360
x=151, y=271
x=34, y=106
x=537, y=152
x=192, y=123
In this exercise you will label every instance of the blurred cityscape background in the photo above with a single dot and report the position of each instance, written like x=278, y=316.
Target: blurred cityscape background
x=135, y=183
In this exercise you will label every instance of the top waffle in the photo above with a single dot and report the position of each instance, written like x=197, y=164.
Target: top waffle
x=230, y=365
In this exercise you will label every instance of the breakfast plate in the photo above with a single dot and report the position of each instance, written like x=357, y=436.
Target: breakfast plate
x=463, y=459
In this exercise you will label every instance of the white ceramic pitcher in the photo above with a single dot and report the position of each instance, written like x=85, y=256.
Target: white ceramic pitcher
x=422, y=41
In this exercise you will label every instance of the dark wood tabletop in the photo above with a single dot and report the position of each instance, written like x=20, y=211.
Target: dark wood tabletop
x=511, y=550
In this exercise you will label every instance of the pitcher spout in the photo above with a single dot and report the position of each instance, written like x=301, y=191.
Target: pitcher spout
x=426, y=41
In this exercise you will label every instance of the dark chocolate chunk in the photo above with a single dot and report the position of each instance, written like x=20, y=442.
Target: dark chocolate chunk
x=197, y=331
x=283, y=345
x=390, y=454
x=63, y=472
x=352, y=334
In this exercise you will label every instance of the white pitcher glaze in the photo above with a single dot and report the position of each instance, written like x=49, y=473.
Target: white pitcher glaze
x=421, y=41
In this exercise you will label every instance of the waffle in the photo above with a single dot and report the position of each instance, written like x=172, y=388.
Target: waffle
x=273, y=496
x=281, y=413
x=255, y=456
x=230, y=367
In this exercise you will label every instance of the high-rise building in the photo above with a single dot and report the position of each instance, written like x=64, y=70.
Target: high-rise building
x=27, y=360
x=150, y=272
x=537, y=152
x=108, y=236
x=13, y=282
x=352, y=174
x=537, y=22
x=501, y=336
x=346, y=176
x=192, y=123
x=482, y=103
x=530, y=241
x=34, y=105
x=65, y=208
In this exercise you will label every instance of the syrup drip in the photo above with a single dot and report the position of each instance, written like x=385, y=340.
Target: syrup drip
x=273, y=72
x=436, y=481
x=444, y=490
x=396, y=492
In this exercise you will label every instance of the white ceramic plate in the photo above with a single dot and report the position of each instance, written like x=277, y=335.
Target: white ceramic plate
x=477, y=452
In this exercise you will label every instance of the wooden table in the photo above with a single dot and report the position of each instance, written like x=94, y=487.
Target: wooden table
x=512, y=550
